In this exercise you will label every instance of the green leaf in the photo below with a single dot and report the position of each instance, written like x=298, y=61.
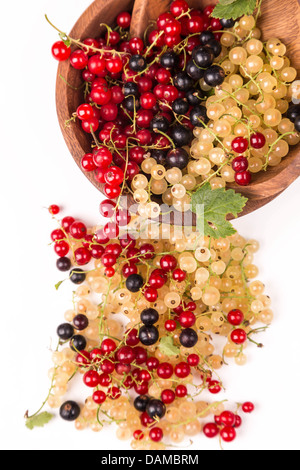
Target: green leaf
x=168, y=347
x=39, y=420
x=227, y=2
x=235, y=9
x=216, y=205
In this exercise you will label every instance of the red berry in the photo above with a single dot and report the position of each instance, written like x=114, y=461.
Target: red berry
x=108, y=260
x=195, y=25
x=108, y=346
x=107, y=366
x=82, y=256
x=187, y=319
x=179, y=275
x=214, y=387
x=60, y=51
x=54, y=209
x=228, y=434
x=114, y=176
x=181, y=391
x=238, y=336
x=97, y=64
x=168, y=396
x=165, y=370
x=66, y=223
x=147, y=251
x=227, y=418
x=57, y=235
x=125, y=355
x=101, y=95
x=240, y=145
x=168, y=263
x=238, y=421
x=79, y=59
x=136, y=45
x=61, y=248
x=132, y=337
x=110, y=272
x=248, y=407
x=178, y=7
x=114, y=393
x=99, y=397
x=235, y=317
x=182, y=370
x=193, y=360
x=150, y=294
x=211, y=430
x=112, y=191
x=111, y=230
x=109, y=112
x=240, y=164
x=257, y=141
x=114, y=64
x=152, y=363
x=91, y=379
x=78, y=230
x=138, y=435
x=87, y=162
x=156, y=434
x=243, y=178
x=124, y=20
x=148, y=100
x=107, y=208
x=170, y=325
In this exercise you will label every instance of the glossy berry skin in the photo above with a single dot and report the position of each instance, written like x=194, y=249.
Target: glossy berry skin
x=156, y=409
x=248, y=407
x=69, y=411
x=211, y=430
x=182, y=370
x=198, y=116
x=78, y=343
x=214, y=76
x=168, y=396
x=240, y=145
x=107, y=208
x=181, y=135
x=134, y=283
x=80, y=322
x=181, y=391
x=61, y=248
x=77, y=276
x=141, y=402
x=168, y=60
x=240, y=164
x=235, y=317
x=124, y=20
x=177, y=158
x=170, y=325
x=165, y=370
x=193, y=360
x=168, y=263
x=194, y=71
x=228, y=434
x=60, y=51
x=152, y=363
x=65, y=331
x=214, y=387
x=82, y=256
x=227, y=23
x=257, y=140
x=227, y=418
x=63, y=264
x=79, y=60
x=137, y=63
x=148, y=335
x=125, y=355
x=78, y=230
x=108, y=346
x=243, y=178
x=91, y=379
x=54, y=209
x=99, y=397
x=238, y=336
x=149, y=316
x=188, y=338
x=203, y=56
x=187, y=319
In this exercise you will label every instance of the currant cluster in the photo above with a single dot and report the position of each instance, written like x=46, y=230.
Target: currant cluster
x=146, y=348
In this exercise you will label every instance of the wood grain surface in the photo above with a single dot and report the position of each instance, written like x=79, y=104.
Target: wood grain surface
x=281, y=18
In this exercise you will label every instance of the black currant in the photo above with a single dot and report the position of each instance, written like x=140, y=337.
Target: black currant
x=183, y=82
x=160, y=123
x=137, y=63
x=63, y=264
x=215, y=46
x=180, y=106
x=65, y=331
x=297, y=123
x=134, y=283
x=198, y=116
x=69, y=411
x=188, y=338
x=206, y=36
x=227, y=23
x=181, y=135
x=80, y=322
x=141, y=402
x=78, y=343
x=293, y=112
x=149, y=316
x=131, y=88
x=159, y=156
x=194, y=71
x=131, y=103
x=148, y=335
x=194, y=97
x=169, y=60
x=214, y=76
x=77, y=276
x=156, y=409
x=177, y=158
x=203, y=56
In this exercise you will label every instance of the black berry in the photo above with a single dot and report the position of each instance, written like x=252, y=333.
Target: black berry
x=180, y=106
x=63, y=264
x=198, y=116
x=188, y=338
x=227, y=23
x=137, y=63
x=206, y=36
x=168, y=60
x=134, y=283
x=293, y=112
x=131, y=103
x=78, y=343
x=65, y=331
x=149, y=316
x=297, y=123
x=148, y=335
x=77, y=276
x=156, y=409
x=159, y=156
x=131, y=88
x=69, y=411
x=215, y=46
x=160, y=123
x=194, y=97
x=141, y=402
x=80, y=322
x=181, y=135
x=214, y=76
x=183, y=82
x=203, y=56
x=177, y=158
x=194, y=71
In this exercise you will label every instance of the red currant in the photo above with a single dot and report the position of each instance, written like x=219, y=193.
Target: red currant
x=60, y=51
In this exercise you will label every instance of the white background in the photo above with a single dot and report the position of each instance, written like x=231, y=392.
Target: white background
x=36, y=171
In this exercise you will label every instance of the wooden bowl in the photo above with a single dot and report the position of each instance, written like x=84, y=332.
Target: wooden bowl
x=279, y=19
